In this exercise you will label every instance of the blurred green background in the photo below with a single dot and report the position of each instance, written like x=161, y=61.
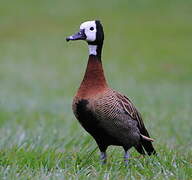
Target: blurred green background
x=147, y=56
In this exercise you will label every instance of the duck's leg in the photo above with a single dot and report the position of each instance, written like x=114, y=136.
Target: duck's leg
x=103, y=157
x=103, y=148
x=126, y=158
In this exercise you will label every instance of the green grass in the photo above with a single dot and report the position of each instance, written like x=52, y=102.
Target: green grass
x=147, y=56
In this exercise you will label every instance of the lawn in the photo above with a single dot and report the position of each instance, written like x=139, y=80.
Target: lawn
x=147, y=56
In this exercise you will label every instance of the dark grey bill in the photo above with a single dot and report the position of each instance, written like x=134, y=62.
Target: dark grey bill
x=78, y=36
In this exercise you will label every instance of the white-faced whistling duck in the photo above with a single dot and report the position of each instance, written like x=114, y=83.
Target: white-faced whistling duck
x=109, y=116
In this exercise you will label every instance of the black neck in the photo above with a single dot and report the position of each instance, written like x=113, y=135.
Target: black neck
x=99, y=51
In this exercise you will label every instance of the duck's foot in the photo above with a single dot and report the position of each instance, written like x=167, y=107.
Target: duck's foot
x=126, y=158
x=103, y=157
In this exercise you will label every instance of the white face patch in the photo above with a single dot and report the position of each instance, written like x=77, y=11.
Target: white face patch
x=90, y=30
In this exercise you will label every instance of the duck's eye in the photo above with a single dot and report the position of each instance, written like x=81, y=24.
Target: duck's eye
x=91, y=28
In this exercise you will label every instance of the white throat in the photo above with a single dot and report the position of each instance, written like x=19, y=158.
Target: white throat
x=92, y=49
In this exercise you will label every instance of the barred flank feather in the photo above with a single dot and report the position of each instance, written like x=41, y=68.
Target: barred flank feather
x=132, y=111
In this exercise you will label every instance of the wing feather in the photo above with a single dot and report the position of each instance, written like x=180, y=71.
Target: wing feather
x=130, y=109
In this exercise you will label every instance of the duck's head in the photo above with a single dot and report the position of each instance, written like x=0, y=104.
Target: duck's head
x=90, y=31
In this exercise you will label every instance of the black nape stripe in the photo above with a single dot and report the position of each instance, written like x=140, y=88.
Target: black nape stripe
x=99, y=38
